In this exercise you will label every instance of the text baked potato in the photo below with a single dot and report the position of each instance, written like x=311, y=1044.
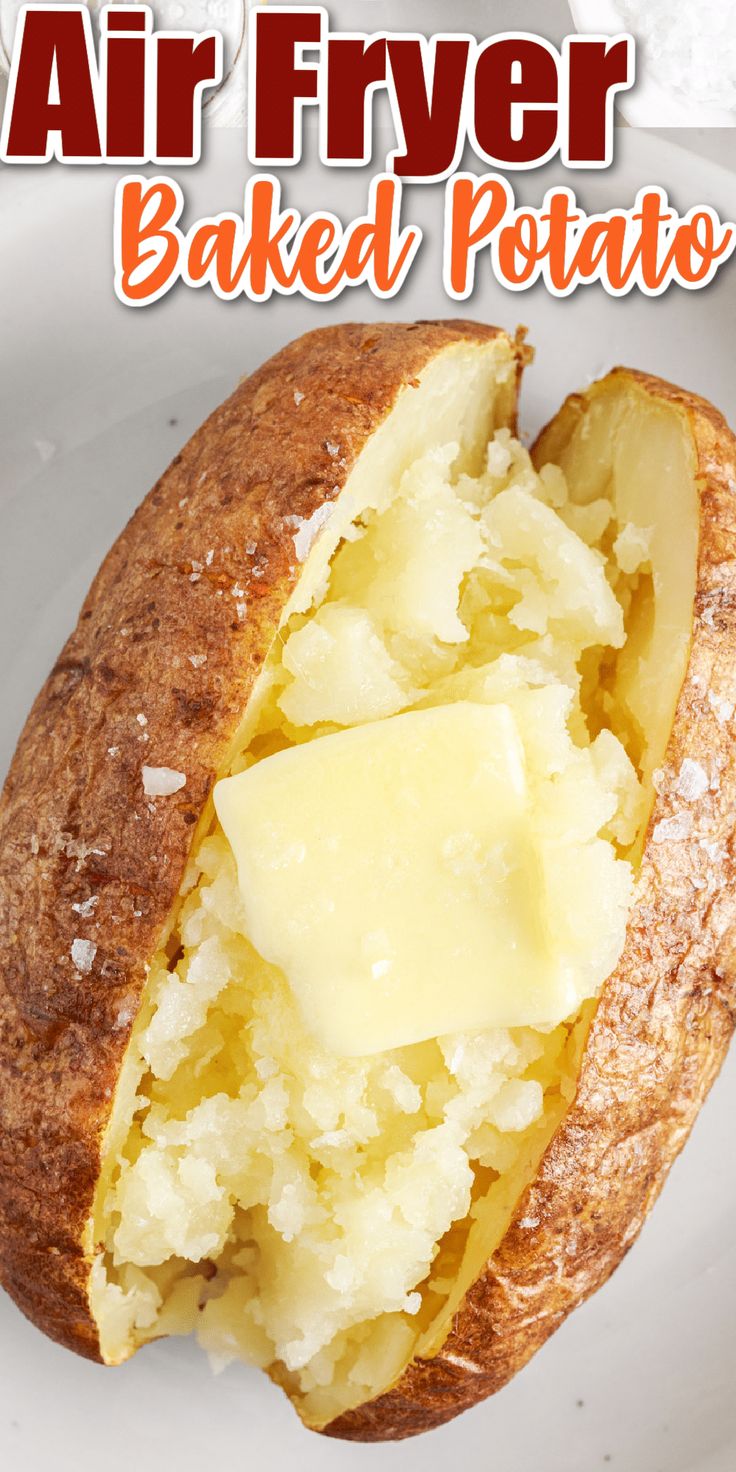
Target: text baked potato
x=388, y=1206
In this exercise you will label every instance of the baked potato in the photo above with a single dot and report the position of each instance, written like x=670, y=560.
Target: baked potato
x=366, y=927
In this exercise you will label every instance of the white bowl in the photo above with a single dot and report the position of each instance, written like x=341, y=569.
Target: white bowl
x=648, y=105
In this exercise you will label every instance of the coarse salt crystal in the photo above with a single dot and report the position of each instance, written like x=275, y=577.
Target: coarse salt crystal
x=723, y=709
x=85, y=908
x=141, y=719
x=332, y=449
x=83, y=953
x=113, y=750
x=162, y=781
x=308, y=529
x=672, y=830
x=298, y=396
x=197, y=660
x=692, y=781
x=76, y=848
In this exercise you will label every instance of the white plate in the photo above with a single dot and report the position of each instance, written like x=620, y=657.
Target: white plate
x=648, y=105
x=643, y=1374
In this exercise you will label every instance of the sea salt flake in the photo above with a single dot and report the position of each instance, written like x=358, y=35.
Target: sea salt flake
x=76, y=848
x=298, y=396
x=692, y=781
x=332, y=449
x=308, y=529
x=162, y=781
x=83, y=953
x=251, y=548
x=86, y=908
x=674, y=829
x=723, y=709
x=209, y=557
x=113, y=750
x=141, y=719
x=197, y=660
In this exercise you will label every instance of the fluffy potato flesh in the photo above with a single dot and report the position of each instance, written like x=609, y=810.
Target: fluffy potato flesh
x=321, y=1214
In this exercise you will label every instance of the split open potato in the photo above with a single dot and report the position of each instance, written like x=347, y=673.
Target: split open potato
x=366, y=917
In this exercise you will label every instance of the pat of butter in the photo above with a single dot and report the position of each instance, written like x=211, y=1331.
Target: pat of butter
x=390, y=872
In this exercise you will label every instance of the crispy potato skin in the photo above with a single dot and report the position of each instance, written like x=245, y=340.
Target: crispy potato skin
x=660, y=1033
x=74, y=820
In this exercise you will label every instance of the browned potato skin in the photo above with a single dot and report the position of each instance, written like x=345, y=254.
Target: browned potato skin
x=661, y=1030
x=74, y=820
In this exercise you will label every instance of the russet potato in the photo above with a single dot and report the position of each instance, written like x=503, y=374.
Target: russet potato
x=388, y=1207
